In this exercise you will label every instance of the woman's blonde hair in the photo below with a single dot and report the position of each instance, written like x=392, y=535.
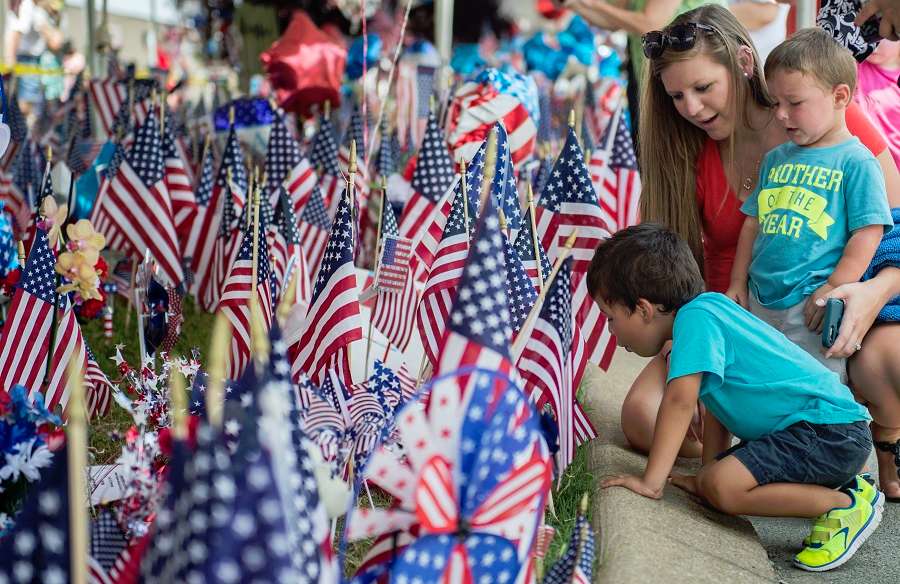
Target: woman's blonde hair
x=669, y=144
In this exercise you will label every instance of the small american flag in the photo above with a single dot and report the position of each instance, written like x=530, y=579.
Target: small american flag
x=206, y=220
x=394, y=313
x=286, y=167
x=18, y=131
x=576, y=566
x=432, y=179
x=393, y=266
x=615, y=176
x=519, y=289
x=385, y=161
x=99, y=389
x=135, y=210
x=314, y=227
x=333, y=322
x=445, y=274
x=532, y=253
x=235, y=301
x=108, y=96
x=37, y=547
x=178, y=181
x=569, y=202
x=479, y=327
x=361, y=179
x=295, y=258
x=323, y=155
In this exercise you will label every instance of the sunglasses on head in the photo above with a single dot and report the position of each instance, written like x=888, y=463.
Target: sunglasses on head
x=678, y=37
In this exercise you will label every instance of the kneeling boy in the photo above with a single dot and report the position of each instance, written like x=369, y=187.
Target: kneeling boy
x=803, y=437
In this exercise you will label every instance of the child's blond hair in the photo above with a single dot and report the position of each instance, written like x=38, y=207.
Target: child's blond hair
x=813, y=52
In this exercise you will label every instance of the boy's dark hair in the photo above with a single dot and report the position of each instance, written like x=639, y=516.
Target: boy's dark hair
x=644, y=261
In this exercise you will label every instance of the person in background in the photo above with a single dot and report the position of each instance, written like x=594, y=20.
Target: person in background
x=765, y=20
x=889, y=11
x=878, y=92
x=635, y=17
x=30, y=32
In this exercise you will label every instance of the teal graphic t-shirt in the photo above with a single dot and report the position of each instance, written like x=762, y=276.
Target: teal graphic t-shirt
x=755, y=380
x=808, y=202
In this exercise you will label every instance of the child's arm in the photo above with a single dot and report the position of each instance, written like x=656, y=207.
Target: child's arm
x=737, y=289
x=672, y=424
x=857, y=255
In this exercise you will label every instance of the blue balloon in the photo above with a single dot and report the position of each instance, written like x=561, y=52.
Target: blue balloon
x=354, y=67
x=466, y=59
x=87, y=185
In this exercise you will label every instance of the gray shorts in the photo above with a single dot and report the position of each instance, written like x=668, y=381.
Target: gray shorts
x=790, y=323
x=829, y=455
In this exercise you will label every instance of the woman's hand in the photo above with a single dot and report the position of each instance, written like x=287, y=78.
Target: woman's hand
x=814, y=309
x=862, y=302
x=635, y=484
x=737, y=291
x=686, y=482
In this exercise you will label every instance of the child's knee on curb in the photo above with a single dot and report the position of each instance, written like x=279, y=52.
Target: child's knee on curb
x=718, y=491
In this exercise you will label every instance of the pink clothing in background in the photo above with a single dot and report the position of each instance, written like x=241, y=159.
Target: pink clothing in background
x=879, y=96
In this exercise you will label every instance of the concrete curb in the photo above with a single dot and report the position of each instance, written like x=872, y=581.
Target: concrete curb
x=674, y=540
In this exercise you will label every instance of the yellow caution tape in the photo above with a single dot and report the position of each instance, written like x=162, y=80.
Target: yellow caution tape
x=20, y=69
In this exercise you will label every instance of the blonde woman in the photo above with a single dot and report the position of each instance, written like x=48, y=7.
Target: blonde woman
x=707, y=119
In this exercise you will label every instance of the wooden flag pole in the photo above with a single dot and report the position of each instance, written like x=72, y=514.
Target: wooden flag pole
x=378, y=243
x=534, y=239
x=177, y=402
x=522, y=337
x=76, y=436
x=218, y=355
x=288, y=298
x=490, y=162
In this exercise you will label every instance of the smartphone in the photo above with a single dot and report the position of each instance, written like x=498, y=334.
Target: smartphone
x=834, y=311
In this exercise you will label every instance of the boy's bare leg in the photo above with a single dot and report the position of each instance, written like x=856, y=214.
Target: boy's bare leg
x=641, y=406
x=729, y=487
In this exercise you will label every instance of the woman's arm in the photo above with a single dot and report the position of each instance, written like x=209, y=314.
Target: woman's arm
x=655, y=15
x=891, y=177
x=754, y=15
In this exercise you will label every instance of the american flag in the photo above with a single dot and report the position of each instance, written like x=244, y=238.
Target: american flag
x=178, y=181
x=200, y=242
x=37, y=547
x=394, y=313
x=519, y=289
x=324, y=157
x=569, y=202
x=108, y=96
x=576, y=566
x=236, y=300
x=108, y=540
x=361, y=179
x=615, y=176
x=18, y=131
x=295, y=258
x=333, y=322
x=547, y=362
x=393, y=265
x=431, y=181
x=479, y=328
x=287, y=169
x=415, y=86
x=314, y=227
x=233, y=161
x=477, y=105
x=487, y=472
x=385, y=161
x=98, y=387
x=18, y=190
x=531, y=252
x=25, y=341
x=504, y=185
x=135, y=210
x=444, y=277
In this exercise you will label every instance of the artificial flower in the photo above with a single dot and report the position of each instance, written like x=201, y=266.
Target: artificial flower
x=82, y=237
x=26, y=459
x=52, y=218
x=79, y=270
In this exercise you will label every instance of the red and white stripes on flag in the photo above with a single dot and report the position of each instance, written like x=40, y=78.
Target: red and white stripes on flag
x=299, y=184
x=181, y=191
x=14, y=203
x=475, y=109
x=394, y=313
x=393, y=266
x=107, y=95
x=98, y=389
x=128, y=212
x=333, y=321
x=615, y=176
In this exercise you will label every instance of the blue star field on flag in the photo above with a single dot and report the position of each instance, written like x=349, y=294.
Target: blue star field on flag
x=339, y=250
x=434, y=167
x=282, y=155
x=519, y=289
x=324, y=150
x=569, y=181
x=385, y=162
x=205, y=185
x=525, y=247
x=113, y=167
x=232, y=158
x=39, y=276
x=565, y=568
x=146, y=154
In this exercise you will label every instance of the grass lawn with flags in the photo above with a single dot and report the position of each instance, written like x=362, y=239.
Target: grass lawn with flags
x=107, y=433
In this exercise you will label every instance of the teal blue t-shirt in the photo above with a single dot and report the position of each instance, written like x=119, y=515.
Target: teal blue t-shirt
x=755, y=380
x=808, y=202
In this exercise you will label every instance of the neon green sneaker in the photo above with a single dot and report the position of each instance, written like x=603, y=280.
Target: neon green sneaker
x=863, y=486
x=837, y=535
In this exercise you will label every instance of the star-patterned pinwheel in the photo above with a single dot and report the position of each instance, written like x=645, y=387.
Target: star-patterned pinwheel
x=469, y=491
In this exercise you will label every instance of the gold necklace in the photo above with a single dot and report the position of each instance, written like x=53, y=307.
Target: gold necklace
x=748, y=181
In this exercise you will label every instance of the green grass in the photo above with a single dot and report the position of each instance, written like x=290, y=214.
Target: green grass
x=106, y=433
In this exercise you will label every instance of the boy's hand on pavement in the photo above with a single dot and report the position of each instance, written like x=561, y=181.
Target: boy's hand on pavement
x=635, y=484
x=686, y=482
x=813, y=314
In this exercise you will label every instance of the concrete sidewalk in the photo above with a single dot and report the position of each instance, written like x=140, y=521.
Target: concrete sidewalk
x=674, y=540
